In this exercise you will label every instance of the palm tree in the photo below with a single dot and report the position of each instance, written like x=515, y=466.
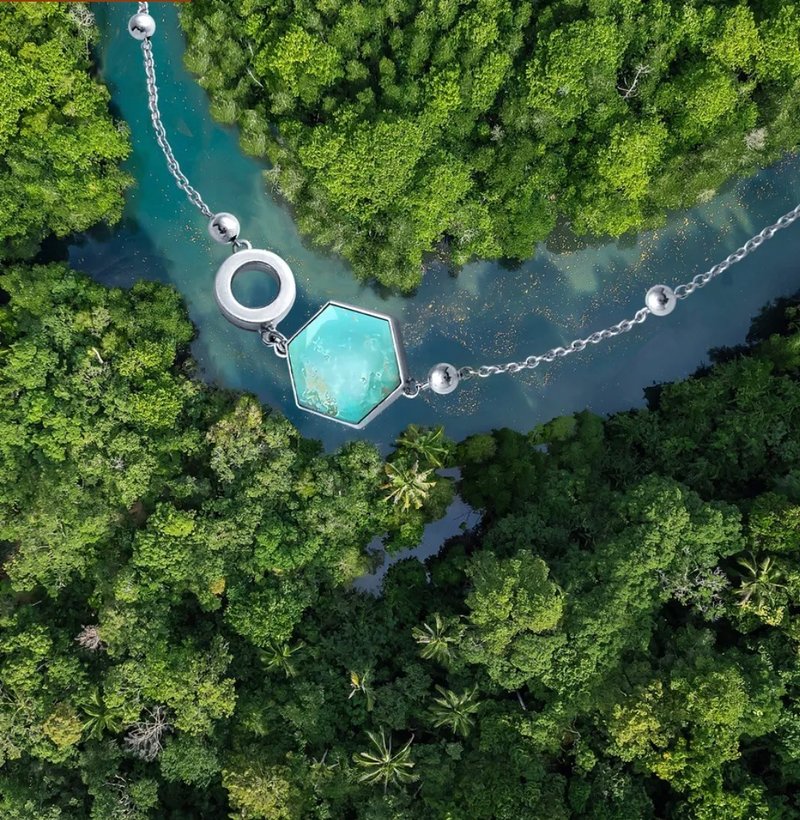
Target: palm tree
x=436, y=640
x=760, y=582
x=360, y=684
x=408, y=486
x=384, y=767
x=429, y=445
x=99, y=718
x=279, y=656
x=454, y=710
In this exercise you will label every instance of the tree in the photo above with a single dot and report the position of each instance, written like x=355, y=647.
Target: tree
x=437, y=641
x=384, y=766
x=262, y=791
x=760, y=586
x=191, y=760
x=59, y=145
x=63, y=726
x=455, y=710
x=144, y=738
x=279, y=656
x=510, y=600
x=430, y=446
x=89, y=638
x=721, y=698
x=774, y=524
x=360, y=685
x=408, y=486
x=99, y=718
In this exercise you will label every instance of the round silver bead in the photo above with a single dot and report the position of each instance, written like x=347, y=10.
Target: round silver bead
x=141, y=26
x=661, y=300
x=224, y=228
x=443, y=379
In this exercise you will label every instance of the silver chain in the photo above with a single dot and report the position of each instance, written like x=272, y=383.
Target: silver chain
x=275, y=340
x=681, y=292
x=752, y=244
x=158, y=126
x=576, y=346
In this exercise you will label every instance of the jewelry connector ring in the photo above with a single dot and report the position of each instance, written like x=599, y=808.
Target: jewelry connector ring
x=255, y=318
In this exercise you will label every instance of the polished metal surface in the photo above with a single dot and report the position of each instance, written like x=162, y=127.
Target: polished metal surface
x=141, y=26
x=443, y=379
x=275, y=340
x=660, y=300
x=267, y=315
x=224, y=228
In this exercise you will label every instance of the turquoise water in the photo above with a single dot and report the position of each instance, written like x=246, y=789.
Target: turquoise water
x=488, y=313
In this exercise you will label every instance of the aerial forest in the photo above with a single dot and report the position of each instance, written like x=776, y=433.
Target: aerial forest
x=180, y=639
x=618, y=638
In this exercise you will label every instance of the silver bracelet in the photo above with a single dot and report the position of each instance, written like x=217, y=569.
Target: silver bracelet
x=346, y=363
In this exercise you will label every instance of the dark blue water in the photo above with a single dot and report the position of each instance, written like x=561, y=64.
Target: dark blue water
x=487, y=314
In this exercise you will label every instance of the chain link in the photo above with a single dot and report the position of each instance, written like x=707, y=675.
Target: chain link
x=161, y=134
x=241, y=245
x=681, y=292
x=275, y=340
x=412, y=388
x=575, y=346
x=752, y=244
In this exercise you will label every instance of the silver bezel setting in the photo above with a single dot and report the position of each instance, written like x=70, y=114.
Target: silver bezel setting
x=399, y=353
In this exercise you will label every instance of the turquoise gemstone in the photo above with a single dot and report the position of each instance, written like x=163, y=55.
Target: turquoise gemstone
x=345, y=364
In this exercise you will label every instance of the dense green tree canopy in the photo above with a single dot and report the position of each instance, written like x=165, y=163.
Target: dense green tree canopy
x=184, y=521
x=394, y=125
x=59, y=146
x=177, y=636
x=618, y=638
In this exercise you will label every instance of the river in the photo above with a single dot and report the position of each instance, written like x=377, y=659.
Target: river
x=487, y=313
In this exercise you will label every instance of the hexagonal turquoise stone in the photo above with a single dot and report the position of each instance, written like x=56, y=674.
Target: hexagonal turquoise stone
x=344, y=363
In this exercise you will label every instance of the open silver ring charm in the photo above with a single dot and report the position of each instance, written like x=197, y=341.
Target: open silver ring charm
x=255, y=318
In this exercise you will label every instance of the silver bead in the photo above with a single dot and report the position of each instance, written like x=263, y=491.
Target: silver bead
x=224, y=227
x=141, y=26
x=661, y=300
x=443, y=379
